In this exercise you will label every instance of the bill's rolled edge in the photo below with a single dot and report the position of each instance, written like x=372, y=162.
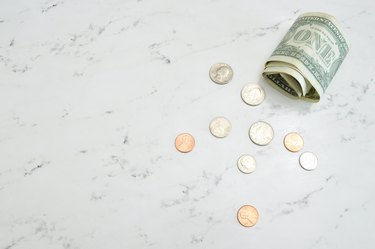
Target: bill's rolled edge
x=305, y=61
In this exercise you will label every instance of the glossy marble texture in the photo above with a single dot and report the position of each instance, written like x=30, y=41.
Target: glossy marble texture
x=94, y=92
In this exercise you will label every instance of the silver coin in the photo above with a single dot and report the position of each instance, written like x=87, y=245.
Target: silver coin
x=308, y=160
x=252, y=94
x=220, y=127
x=261, y=133
x=246, y=164
x=221, y=73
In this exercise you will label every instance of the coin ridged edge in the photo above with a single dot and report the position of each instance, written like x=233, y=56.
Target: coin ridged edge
x=239, y=164
x=220, y=117
x=221, y=82
x=308, y=152
x=255, y=86
x=273, y=133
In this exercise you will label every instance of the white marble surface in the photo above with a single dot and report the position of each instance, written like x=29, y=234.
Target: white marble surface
x=93, y=93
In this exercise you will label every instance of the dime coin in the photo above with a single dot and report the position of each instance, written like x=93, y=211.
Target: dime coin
x=247, y=216
x=221, y=73
x=261, y=133
x=246, y=164
x=184, y=142
x=293, y=142
x=308, y=160
x=252, y=94
x=220, y=127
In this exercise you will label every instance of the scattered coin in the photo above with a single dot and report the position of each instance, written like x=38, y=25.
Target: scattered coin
x=308, y=160
x=252, y=94
x=184, y=142
x=293, y=142
x=261, y=133
x=220, y=127
x=246, y=164
x=221, y=73
x=247, y=216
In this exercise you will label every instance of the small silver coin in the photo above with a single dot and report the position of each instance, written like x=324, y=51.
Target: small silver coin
x=246, y=164
x=308, y=161
x=220, y=127
x=252, y=94
x=221, y=73
x=261, y=133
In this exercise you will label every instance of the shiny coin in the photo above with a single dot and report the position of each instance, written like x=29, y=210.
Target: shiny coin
x=220, y=127
x=252, y=94
x=308, y=161
x=247, y=216
x=246, y=164
x=261, y=133
x=184, y=142
x=221, y=73
x=293, y=142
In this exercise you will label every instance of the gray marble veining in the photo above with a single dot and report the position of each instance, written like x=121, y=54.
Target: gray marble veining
x=93, y=93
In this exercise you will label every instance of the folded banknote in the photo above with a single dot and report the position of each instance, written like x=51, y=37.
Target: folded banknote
x=304, y=63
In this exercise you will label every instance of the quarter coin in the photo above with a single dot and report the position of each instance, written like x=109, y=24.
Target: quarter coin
x=184, y=142
x=246, y=164
x=220, y=127
x=221, y=73
x=247, y=216
x=261, y=133
x=308, y=160
x=293, y=142
x=252, y=94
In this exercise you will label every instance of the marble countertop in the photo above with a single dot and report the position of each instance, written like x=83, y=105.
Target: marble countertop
x=93, y=94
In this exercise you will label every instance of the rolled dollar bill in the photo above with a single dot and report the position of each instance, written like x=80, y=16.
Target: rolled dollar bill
x=305, y=61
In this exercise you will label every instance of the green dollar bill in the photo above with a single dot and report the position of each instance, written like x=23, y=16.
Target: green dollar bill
x=306, y=60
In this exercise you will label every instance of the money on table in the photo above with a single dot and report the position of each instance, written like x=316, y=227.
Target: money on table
x=304, y=63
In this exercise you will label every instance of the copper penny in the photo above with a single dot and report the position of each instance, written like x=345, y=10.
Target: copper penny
x=247, y=216
x=293, y=142
x=184, y=142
